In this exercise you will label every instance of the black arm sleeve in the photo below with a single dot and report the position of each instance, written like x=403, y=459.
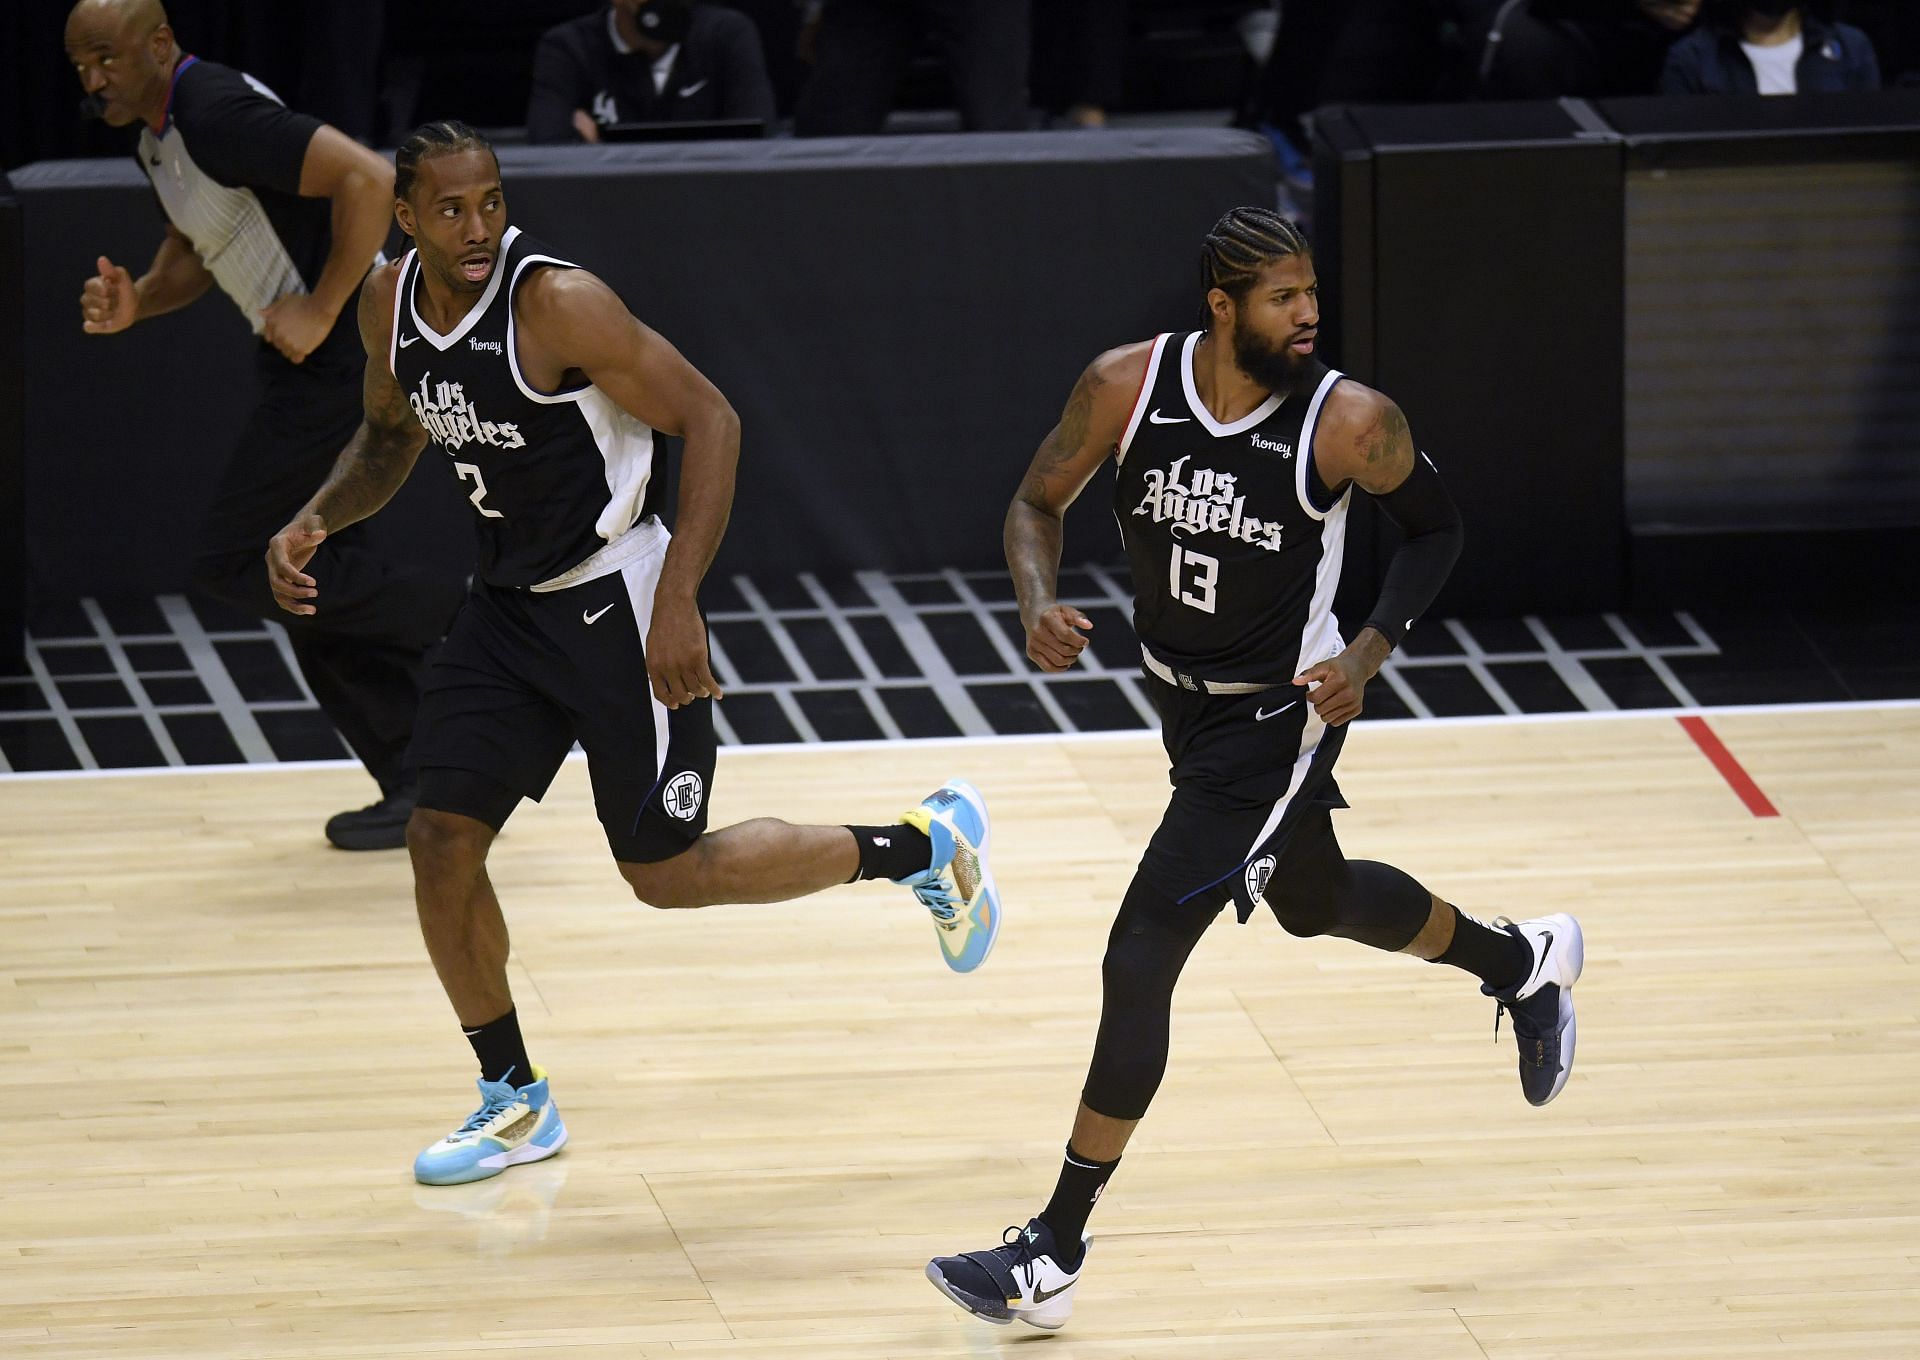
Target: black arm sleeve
x=239, y=136
x=1434, y=533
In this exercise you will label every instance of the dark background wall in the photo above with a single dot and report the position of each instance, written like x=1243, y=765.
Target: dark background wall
x=1665, y=350
x=898, y=321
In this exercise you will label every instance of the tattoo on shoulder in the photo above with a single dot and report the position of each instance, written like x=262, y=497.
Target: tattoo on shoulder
x=1386, y=448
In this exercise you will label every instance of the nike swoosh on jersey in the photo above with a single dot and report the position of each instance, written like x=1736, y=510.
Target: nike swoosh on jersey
x=406, y=340
x=1261, y=714
x=587, y=618
x=1158, y=419
x=697, y=85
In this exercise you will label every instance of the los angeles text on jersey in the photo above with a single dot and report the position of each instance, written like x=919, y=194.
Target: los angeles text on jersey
x=1206, y=505
x=449, y=417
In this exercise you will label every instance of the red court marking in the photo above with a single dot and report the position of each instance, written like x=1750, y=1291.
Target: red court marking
x=1730, y=769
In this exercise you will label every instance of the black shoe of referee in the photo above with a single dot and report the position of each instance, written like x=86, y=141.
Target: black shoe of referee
x=378, y=826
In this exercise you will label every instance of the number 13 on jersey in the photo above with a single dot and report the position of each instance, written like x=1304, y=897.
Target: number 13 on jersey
x=1205, y=574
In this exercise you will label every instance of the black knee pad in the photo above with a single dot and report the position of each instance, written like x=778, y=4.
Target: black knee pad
x=1312, y=885
x=1148, y=946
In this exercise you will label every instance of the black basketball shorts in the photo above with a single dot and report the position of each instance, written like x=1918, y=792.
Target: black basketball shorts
x=1247, y=769
x=524, y=673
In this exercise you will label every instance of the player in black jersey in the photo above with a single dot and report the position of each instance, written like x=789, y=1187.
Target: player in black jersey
x=544, y=394
x=1237, y=454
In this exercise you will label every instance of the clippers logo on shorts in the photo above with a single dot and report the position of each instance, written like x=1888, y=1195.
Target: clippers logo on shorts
x=449, y=417
x=1204, y=505
x=682, y=795
x=1258, y=873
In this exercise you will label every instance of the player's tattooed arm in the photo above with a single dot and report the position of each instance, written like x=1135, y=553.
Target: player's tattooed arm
x=383, y=450
x=1362, y=440
x=373, y=466
x=1085, y=436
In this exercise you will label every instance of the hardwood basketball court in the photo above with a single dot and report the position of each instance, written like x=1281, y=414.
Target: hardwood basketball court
x=225, y=1045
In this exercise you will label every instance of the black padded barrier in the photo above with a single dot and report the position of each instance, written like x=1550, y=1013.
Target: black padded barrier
x=897, y=320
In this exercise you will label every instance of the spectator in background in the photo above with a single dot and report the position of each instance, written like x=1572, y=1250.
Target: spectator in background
x=1543, y=49
x=863, y=45
x=646, y=61
x=1770, y=47
x=1079, y=59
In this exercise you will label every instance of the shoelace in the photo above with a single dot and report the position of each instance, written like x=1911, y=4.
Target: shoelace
x=939, y=898
x=480, y=1117
x=1025, y=1256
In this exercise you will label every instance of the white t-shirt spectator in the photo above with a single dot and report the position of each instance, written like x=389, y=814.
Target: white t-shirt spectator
x=1774, y=66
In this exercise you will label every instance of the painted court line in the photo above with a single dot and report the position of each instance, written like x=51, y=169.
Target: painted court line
x=1730, y=769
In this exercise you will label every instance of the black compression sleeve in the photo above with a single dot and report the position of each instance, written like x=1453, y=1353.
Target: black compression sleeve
x=1434, y=533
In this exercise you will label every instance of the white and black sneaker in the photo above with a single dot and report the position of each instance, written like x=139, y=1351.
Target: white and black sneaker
x=1024, y=1279
x=1542, y=1006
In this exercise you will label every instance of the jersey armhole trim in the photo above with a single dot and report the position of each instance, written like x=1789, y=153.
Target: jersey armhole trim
x=393, y=331
x=1308, y=429
x=1140, y=398
x=527, y=389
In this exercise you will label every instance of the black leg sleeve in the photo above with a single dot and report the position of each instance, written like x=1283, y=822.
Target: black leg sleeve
x=1149, y=945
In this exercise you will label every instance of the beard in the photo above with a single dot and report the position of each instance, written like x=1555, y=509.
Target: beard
x=1277, y=370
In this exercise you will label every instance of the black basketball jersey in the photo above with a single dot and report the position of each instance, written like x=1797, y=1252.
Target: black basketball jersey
x=553, y=476
x=1234, y=544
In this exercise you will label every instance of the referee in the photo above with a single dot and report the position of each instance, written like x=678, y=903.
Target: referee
x=286, y=215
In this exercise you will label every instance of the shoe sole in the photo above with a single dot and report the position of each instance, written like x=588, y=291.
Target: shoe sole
x=1576, y=955
x=490, y=1167
x=966, y=1301
x=983, y=851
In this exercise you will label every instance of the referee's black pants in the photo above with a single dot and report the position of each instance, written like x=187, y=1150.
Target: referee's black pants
x=380, y=612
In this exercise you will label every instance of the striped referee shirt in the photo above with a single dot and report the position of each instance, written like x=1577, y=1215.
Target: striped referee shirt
x=226, y=168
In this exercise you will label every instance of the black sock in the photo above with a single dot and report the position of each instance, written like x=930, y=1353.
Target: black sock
x=1495, y=955
x=891, y=851
x=1074, y=1195
x=501, y=1050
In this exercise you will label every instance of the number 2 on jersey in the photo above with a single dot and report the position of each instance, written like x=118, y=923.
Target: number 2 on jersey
x=467, y=470
x=1206, y=574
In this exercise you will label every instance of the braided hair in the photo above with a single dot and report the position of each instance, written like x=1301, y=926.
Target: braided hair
x=434, y=139
x=1241, y=244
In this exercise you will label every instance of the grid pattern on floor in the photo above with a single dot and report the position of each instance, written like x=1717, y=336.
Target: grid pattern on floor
x=866, y=655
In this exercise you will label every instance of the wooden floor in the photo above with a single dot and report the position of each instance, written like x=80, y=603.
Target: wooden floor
x=222, y=1046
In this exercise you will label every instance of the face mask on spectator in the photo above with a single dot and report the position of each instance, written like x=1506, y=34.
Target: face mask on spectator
x=665, y=21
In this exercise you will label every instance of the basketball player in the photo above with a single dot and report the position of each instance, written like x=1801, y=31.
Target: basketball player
x=286, y=215
x=544, y=395
x=1238, y=453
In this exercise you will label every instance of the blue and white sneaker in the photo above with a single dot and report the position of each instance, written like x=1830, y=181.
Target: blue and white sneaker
x=1024, y=1279
x=966, y=911
x=514, y=1124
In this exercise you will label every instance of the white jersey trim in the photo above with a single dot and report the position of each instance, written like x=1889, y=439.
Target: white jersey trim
x=1320, y=635
x=1199, y=407
x=400, y=290
x=1145, y=396
x=1301, y=463
x=624, y=440
x=641, y=578
x=1310, y=733
x=474, y=313
x=527, y=389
